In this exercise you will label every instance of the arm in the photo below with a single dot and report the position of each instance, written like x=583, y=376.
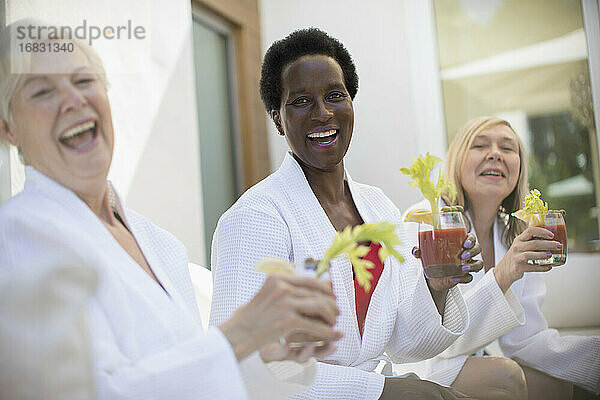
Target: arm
x=493, y=306
x=491, y=314
x=193, y=369
x=202, y=368
x=244, y=236
x=572, y=358
x=420, y=332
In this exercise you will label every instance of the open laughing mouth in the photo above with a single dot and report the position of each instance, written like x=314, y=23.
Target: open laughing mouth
x=325, y=138
x=492, y=172
x=80, y=137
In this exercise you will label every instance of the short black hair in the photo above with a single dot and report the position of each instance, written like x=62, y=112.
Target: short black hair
x=310, y=41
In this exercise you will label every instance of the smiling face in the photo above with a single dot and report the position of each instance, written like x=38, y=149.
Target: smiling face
x=491, y=167
x=316, y=114
x=62, y=120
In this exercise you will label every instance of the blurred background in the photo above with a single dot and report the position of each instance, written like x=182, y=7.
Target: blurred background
x=192, y=133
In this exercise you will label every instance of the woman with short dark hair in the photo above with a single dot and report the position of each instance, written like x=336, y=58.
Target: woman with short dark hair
x=308, y=83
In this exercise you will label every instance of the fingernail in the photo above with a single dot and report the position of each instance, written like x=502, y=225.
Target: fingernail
x=548, y=255
x=466, y=268
x=465, y=255
x=551, y=235
x=559, y=246
x=467, y=244
x=454, y=280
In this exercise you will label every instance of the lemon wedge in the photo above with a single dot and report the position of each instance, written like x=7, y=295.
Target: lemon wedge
x=421, y=215
x=274, y=266
x=531, y=219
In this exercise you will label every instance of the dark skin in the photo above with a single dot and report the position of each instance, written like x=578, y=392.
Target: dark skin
x=314, y=101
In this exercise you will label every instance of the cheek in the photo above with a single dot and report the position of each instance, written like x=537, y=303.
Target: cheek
x=515, y=168
x=469, y=165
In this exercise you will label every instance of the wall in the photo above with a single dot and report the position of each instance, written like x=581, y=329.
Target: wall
x=386, y=126
x=156, y=163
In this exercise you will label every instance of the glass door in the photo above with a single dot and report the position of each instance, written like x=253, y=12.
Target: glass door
x=216, y=116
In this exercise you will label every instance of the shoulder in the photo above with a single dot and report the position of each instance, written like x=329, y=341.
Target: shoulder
x=30, y=210
x=35, y=232
x=159, y=236
x=376, y=200
x=264, y=199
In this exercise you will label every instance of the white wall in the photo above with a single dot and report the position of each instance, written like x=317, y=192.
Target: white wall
x=156, y=160
x=386, y=121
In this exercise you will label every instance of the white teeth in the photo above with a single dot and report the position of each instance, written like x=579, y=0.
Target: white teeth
x=322, y=134
x=493, y=173
x=76, y=130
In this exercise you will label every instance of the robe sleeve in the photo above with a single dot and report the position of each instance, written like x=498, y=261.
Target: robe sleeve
x=244, y=236
x=572, y=358
x=492, y=314
x=202, y=368
x=420, y=331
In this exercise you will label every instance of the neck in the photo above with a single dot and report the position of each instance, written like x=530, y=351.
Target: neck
x=97, y=200
x=327, y=185
x=483, y=215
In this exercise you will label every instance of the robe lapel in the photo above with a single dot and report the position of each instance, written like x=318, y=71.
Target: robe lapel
x=319, y=234
x=374, y=314
x=97, y=236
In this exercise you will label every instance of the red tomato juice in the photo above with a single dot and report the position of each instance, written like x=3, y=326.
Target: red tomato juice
x=440, y=251
x=560, y=235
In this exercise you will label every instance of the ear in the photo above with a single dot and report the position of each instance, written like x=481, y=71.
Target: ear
x=276, y=116
x=7, y=133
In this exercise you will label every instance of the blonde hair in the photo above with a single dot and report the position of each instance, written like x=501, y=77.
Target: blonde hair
x=455, y=159
x=14, y=62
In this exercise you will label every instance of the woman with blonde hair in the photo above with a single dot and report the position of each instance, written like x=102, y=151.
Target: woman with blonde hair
x=487, y=163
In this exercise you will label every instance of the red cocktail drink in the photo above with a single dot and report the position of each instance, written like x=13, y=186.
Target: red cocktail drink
x=555, y=223
x=440, y=251
x=441, y=248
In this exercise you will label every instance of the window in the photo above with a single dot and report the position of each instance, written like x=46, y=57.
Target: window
x=527, y=62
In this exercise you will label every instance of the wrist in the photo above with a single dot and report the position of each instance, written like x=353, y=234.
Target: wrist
x=501, y=279
x=239, y=338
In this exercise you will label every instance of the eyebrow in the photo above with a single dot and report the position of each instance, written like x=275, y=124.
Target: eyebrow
x=33, y=77
x=485, y=137
x=331, y=86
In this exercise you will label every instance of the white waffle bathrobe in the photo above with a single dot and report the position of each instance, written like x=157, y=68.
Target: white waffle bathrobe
x=146, y=344
x=515, y=318
x=281, y=217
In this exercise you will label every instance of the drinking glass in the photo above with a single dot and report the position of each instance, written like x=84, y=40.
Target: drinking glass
x=555, y=222
x=442, y=246
x=307, y=268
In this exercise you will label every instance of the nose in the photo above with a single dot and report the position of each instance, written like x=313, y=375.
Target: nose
x=320, y=111
x=72, y=99
x=494, y=153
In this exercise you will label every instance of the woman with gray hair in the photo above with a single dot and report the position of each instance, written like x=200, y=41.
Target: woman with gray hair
x=146, y=335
